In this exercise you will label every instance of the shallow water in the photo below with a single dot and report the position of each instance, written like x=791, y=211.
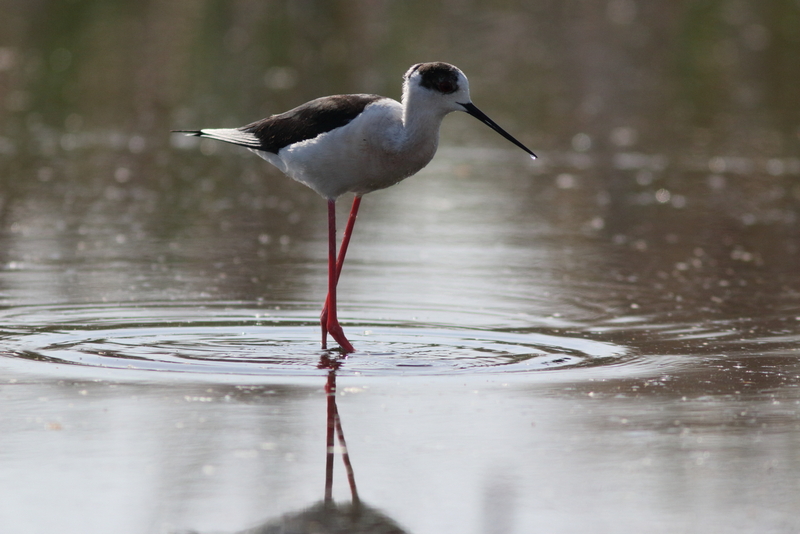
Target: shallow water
x=603, y=340
x=515, y=371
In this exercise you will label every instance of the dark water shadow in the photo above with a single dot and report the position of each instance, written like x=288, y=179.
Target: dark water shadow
x=330, y=518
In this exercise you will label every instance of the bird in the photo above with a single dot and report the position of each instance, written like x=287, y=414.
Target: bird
x=358, y=143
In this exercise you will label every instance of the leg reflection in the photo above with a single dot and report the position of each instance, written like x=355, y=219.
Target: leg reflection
x=335, y=428
x=326, y=516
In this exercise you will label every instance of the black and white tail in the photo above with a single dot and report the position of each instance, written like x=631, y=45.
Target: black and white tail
x=234, y=136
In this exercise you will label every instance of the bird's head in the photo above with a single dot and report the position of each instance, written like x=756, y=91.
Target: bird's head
x=445, y=88
x=442, y=83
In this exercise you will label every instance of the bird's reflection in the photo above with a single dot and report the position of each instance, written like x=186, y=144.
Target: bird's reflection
x=326, y=516
x=335, y=427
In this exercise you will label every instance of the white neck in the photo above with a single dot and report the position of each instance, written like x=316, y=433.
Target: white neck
x=422, y=117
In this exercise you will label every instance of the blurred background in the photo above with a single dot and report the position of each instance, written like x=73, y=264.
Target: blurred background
x=603, y=340
x=717, y=76
x=636, y=109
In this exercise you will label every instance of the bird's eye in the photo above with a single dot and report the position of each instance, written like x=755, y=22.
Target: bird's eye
x=446, y=87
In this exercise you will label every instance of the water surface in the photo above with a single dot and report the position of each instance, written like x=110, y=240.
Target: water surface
x=603, y=340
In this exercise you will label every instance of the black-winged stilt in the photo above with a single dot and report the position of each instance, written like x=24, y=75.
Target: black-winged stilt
x=358, y=144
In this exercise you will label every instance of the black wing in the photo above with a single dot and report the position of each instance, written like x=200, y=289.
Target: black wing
x=308, y=121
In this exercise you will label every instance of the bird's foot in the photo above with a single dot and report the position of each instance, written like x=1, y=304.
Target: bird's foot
x=337, y=334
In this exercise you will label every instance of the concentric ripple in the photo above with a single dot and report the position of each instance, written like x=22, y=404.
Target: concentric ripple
x=243, y=340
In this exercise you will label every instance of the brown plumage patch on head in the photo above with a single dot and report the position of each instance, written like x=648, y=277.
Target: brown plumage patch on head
x=440, y=77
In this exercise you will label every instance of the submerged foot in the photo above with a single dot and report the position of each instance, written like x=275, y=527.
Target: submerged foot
x=337, y=334
x=331, y=325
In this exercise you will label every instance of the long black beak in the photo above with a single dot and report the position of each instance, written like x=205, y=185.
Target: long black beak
x=481, y=116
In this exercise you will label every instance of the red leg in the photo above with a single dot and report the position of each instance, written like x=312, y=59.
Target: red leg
x=328, y=319
x=348, y=232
